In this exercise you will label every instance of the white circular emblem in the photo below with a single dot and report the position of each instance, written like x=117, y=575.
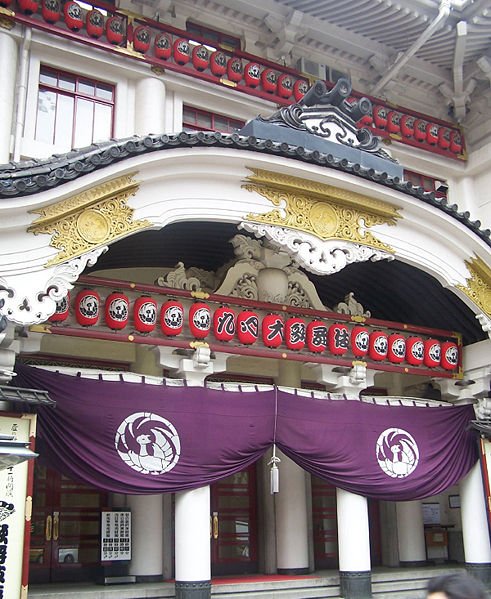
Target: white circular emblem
x=397, y=453
x=148, y=443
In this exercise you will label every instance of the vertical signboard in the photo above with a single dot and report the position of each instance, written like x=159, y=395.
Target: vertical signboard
x=116, y=536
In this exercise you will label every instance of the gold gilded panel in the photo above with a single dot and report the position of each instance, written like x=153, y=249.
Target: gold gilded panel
x=478, y=287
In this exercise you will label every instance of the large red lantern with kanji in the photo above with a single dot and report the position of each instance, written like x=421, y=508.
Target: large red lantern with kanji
x=455, y=142
x=380, y=114
x=200, y=58
x=218, y=63
x=432, y=133
x=51, y=10
x=73, y=16
x=62, y=309
x=359, y=339
x=420, y=129
x=444, y=138
x=272, y=330
x=396, y=348
x=269, y=81
x=407, y=125
x=414, y=351
x=300, y=88
x=199, y=320
x=317, y=336
x=145, y=314
x=182, y=51
x=87, y=307
x=432, y=353
x=115, y=30
x=378, y=345
x=94, y=23
x=285, y=86
x=141, y=39
x=172, y=318
x=450, y=355
x=295, y=333
x=235, y=70
x=117, y=310
x=338, y=339
x=247, y=327
x=394, y=121
x=252, y=74
x=224, y=319
x=162, y=46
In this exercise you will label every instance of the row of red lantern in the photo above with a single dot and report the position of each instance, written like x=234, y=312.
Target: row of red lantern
x=294, y=332
x=409, y=126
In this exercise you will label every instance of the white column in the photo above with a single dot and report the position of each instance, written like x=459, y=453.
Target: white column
x=146, y=525
x=410, y=533
x=150, y=106
x=8, y=52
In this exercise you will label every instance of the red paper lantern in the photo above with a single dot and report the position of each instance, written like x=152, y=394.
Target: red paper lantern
x=338, y=339
x=172, y=318
x=317, y=336
x=378, y=345
x=62, y=309
x=235, y=69
x=359, y=341
x=218, y=63
x=455, y=142
x=117, y=310
x=285, y=86
x=162, y=46
x=415, y=350
x=396, y=348
x=295, y=333
x=5, y=3
x=380, y=114
x=182, y=51
x=432, y=133
x=300, y=88
x=247, y=327
x=366, y=121
x=87, y=305
x=199, y=320
x=145, y=314
x=94, y=23
x=28, y=7
x=420, y=129
x=269, y=81
x=450, y=355
x=432, y=353
x=407, y=125
x=114, y=30
x=272, y=330
x=394, y=122
x=444, y=138
x=141, y=39
x=73, y=16
x=224, y=323
x=200, y=58
x=51, y=10
x=252, y=74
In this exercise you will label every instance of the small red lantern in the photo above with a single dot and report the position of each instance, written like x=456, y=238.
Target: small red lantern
x=117, y=310
x=162, y=46
x=366, y=121
x=272, y=330
x=200, y=58
x=394, y=122
x=380, y=114
x=378, y=345
x=51, y=10
x=407, y=125
x=114, y=30
x=145, y=314
x=73, y=16
x=5, y=3
x=224, y=323
x=252, y=74
x=141, y=39
x=269, y=81
x=285, y=86
x=450, y=355
x=62, y=308
x=415, y=350
x=87, y=305
x=300, y=88
x=432, y=133
x=247, y=327
x=295, y=333
x=359, y=341
x=235, y=69
x=338, y=339
x=317, y=336
x=444, y=138
x=396, y=348
x=420, y=129
x=172, y=318
x=182, y=51
x=94, y=22
x=28, y=7
x=199, y=320
x=218, y=63
x=455, y=142
x=432, y=353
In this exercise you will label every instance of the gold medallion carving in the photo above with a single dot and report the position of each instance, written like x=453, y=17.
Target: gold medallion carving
x=478, y=287
x=321, y=210
x=90, y=219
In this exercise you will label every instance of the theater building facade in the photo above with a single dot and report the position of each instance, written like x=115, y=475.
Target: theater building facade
x=260, y=300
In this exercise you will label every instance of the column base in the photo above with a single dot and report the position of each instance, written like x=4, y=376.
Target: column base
x=292, y=571
x=196, y=589
x=414, y=564
x=355, y=585
x=480, y=571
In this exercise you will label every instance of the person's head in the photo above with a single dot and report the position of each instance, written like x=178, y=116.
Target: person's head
x=455, y=586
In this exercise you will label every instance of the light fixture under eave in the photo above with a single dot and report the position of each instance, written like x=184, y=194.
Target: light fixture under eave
x=14, y=452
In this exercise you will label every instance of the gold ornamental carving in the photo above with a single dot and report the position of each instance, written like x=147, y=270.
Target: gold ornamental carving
x=98, y=216
x=324, y=211
x=478, y=287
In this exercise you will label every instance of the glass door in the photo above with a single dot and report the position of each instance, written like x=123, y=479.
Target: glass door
x=325, y=524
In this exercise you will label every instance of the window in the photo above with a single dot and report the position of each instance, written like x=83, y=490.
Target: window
x=73, y=111
x=427, y=183
x=216, y=38
x=193, y=119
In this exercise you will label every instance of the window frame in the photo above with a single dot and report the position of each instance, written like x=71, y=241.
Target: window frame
x=213, y=116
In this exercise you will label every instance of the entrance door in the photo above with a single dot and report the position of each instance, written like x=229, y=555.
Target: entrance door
x=234, y=524
x=65, y=529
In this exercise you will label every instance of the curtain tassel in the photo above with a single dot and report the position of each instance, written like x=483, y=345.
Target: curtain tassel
x=275, y=472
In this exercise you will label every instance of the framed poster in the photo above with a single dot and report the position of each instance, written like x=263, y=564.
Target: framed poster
x=116, y=536
x=431, y=513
